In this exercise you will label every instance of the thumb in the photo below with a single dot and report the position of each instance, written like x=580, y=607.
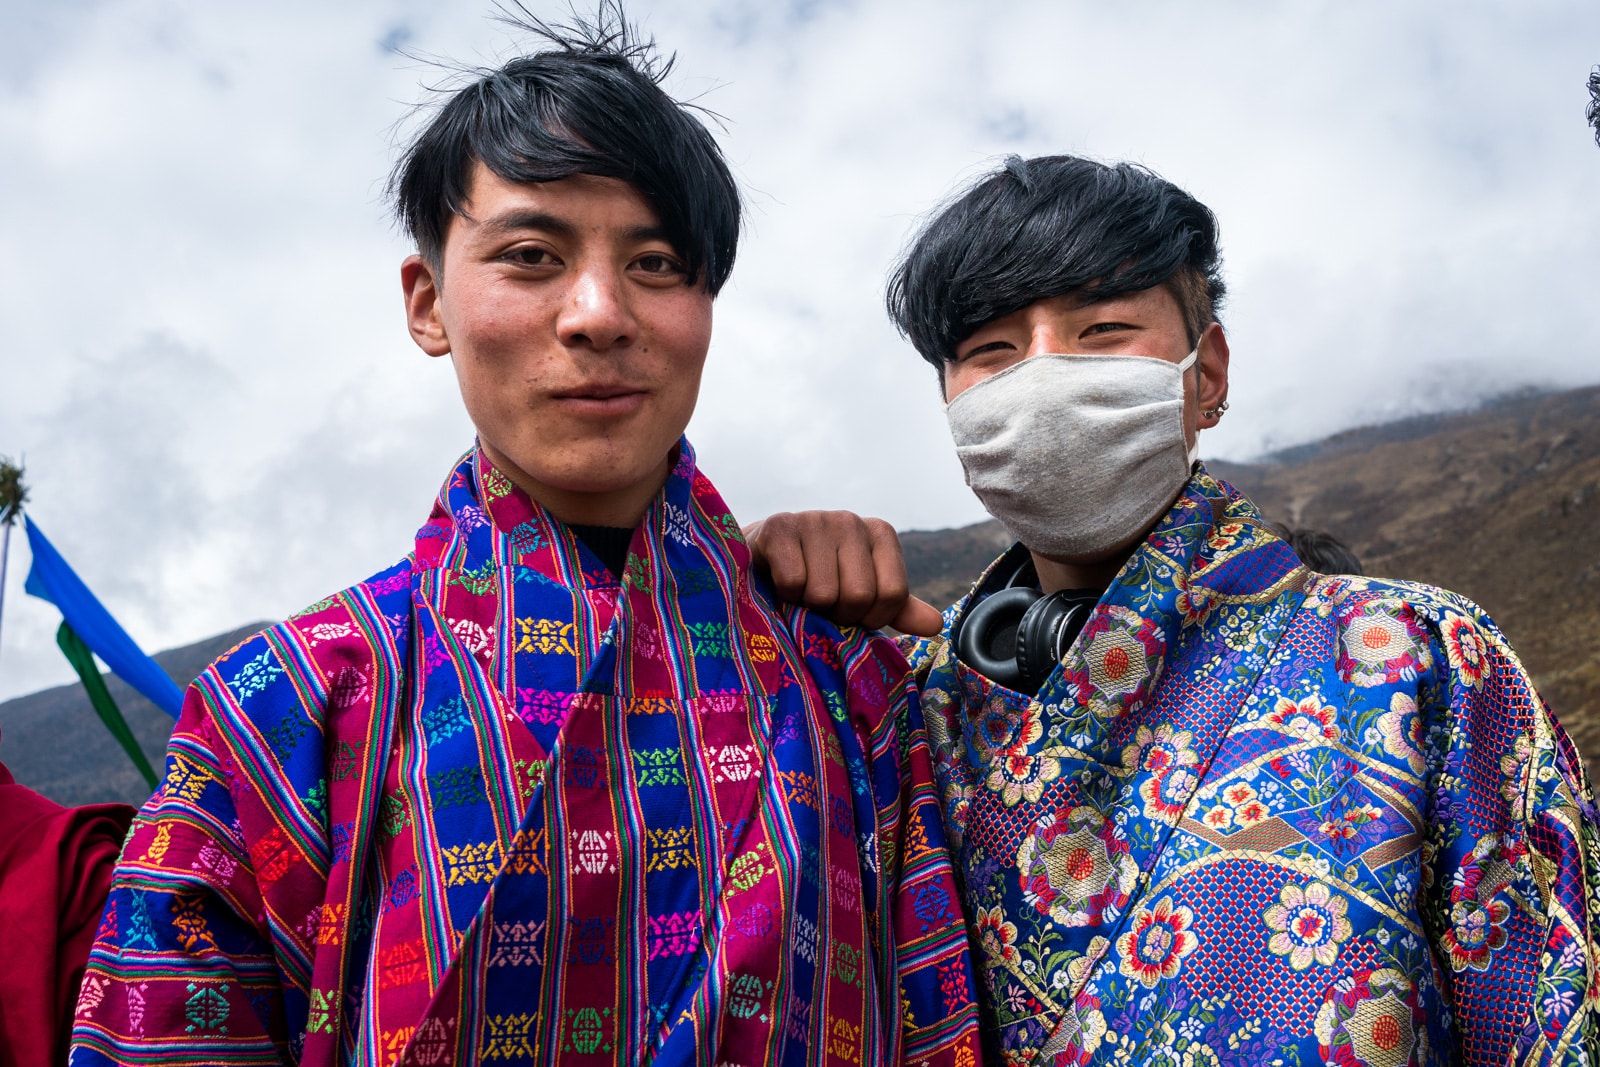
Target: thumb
x=918, y=617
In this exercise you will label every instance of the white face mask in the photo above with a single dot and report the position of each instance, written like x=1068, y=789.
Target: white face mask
x=1075, y=454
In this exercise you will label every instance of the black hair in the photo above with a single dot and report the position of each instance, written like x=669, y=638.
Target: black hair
x=592, y=103
x=1319, y=550
x=1042, y=227
x=1593, y=112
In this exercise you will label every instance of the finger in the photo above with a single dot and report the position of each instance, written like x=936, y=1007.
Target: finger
x=751, y=532
x=920, y=618
x=785, y=558
x=889, y=573
x=858, y=577
x=821, y=564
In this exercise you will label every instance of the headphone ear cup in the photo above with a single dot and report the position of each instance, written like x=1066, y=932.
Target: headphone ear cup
x=988, y=639
x=1046, y=631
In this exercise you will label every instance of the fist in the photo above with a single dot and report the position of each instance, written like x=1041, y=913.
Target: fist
x=848, y=569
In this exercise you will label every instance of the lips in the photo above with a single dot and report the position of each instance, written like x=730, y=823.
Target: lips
x=600, y=400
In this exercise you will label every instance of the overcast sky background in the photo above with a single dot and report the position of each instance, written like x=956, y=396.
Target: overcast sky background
x=204, y=358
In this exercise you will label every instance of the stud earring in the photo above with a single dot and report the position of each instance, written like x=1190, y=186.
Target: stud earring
x=1216, y=412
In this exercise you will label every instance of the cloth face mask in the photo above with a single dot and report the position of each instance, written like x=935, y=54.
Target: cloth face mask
x=1075, y=454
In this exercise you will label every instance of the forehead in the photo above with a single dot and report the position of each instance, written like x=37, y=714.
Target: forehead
x=584, y=203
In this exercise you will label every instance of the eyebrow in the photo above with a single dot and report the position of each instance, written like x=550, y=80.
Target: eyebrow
x=515, y=221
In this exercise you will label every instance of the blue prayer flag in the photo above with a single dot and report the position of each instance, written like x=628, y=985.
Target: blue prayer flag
x=52, y=579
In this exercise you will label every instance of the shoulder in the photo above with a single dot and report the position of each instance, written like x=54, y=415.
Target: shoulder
x=1346, y=595
x=295, y=666
x=845, y=648
x=1374, y=617
x=867, y=665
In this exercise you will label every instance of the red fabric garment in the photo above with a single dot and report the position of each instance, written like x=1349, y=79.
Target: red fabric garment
x=55, y=871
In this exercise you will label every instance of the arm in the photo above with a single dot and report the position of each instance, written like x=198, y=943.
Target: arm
x=934, y=986
x=181, y=967
x=1511, y=857
x=847, y=569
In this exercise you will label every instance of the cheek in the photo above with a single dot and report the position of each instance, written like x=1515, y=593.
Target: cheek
x=483, y=315
x=959, y=377
x=681, y=335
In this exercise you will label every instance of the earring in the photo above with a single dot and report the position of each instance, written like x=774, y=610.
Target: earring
x=1216, y=412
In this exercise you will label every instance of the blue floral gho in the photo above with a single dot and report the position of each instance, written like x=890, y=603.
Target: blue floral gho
x=1260, y=814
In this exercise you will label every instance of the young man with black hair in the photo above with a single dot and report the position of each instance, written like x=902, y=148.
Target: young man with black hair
x=1210, y=807
x=563, y=785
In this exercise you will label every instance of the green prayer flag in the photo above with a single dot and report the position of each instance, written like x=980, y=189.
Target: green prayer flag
x=82, y=661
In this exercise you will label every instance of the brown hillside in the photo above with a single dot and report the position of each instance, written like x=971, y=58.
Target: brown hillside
x=52, y=741
x=1501, y=504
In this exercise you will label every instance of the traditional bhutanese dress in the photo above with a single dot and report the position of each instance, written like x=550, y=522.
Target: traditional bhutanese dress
x=493, y=805
x=1262, y=815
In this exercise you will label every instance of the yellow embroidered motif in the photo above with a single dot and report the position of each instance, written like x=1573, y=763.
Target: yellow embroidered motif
x=545, y=636
x=506, y=1037
x=527, y=854
x=186, y=780
x=158, y=848
x=669, y=848
x=465, y=864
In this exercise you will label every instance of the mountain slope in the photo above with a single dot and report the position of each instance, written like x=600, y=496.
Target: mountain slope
x=52, y=742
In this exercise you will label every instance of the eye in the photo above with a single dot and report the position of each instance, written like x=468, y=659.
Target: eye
x=659, y=264
x=983, y=350
x=1109, y=327
x=532, y=256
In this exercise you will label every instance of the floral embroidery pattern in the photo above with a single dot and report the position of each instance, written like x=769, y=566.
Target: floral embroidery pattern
x=1465, y=647
x=1157, y=941
x=1370, y=1019
x=1308, y=924
x=1076, y=867
x=996, y=937
x=1401, y=730
x=1310, y=719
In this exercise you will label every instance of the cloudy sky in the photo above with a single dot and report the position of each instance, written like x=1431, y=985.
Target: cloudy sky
x=204, y=359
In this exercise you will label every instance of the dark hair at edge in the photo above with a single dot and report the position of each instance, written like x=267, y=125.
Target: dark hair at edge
x=1593, y=111
x=1042, y=227
x=591, y=103
x=1319, y=550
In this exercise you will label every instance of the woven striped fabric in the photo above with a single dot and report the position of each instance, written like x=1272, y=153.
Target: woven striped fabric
x=1260, y=815
x=495, y=805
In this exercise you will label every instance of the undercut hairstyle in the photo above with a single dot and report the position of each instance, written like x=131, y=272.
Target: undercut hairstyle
x=1593, y=112
x=591, y=103
x=1045, y=227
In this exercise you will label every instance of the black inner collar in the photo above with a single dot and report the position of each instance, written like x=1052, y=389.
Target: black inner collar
x=609, y=543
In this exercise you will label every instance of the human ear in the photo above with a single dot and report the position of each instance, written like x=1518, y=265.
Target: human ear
x=1211, y=393
x=424, y=316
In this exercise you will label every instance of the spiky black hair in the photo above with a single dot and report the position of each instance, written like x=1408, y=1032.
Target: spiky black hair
x=1043, y=227
x=589, y=102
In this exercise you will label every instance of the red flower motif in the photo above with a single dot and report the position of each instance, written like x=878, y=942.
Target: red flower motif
x=1156, y=943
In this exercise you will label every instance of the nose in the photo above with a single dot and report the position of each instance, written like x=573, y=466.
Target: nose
x=597, y=313
x=1044, y=337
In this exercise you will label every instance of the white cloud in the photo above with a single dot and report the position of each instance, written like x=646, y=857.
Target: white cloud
x=206, y=364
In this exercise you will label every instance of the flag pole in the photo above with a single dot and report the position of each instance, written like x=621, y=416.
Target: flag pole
x=13, y=494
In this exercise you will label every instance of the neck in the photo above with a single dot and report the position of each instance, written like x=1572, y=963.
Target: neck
x=1055, y=574
x=624, y=507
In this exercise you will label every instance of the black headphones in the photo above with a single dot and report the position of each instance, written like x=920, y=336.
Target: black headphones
x=1016, y=635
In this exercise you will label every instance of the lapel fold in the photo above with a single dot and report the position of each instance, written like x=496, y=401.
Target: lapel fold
x=1064, y=803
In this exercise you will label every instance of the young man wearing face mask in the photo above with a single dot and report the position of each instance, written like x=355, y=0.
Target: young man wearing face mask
x=1209, y=806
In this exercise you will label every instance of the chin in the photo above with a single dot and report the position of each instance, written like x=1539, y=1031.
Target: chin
x=602, y=468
